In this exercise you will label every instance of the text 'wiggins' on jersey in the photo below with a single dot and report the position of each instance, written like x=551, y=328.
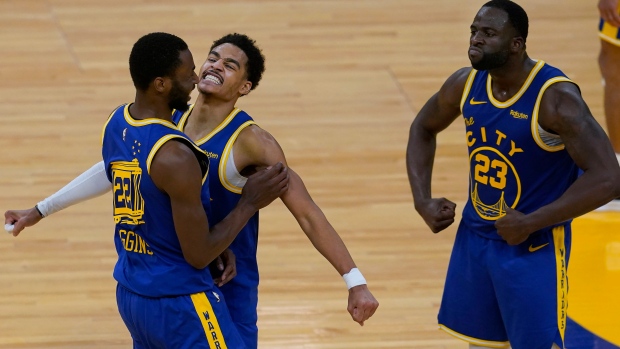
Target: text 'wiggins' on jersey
x=150, y=260
x=513, y=161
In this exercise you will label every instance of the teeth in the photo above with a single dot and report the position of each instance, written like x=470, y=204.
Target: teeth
x=213, y=79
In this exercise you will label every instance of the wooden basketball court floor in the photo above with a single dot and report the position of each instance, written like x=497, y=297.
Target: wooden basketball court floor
x=344, y=80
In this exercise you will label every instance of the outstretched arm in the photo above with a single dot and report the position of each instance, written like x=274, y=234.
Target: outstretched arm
x=90, y=184
x=437, y=114
x=257, y=148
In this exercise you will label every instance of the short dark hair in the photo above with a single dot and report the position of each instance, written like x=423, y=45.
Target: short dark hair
x=154, y=55
x=516, y=15
x=256, y=60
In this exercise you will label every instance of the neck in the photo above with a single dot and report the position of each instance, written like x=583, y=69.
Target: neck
x=507, y=80
x=148, y=107
x=207, y=114
x=208, y=109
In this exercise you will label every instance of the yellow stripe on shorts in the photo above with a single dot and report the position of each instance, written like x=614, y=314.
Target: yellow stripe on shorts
x=209, y=320
x=562, y=287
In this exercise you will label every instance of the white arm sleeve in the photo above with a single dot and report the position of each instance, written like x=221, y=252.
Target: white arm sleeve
x=92, y=183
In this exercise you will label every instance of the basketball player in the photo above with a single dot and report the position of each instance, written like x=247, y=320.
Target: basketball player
x=165, y=294
x=237, y=147
x=609, y=63
x=528, y=132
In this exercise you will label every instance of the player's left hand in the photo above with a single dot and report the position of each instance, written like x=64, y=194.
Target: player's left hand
x=512, y=227
x=362, y=304
x=227, y=263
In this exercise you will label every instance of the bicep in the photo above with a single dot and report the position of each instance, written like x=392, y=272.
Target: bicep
x=256, y=148
x=176, y=171
x=435, y=115
x=565, y=113
x=260, y=149
x=444, y=106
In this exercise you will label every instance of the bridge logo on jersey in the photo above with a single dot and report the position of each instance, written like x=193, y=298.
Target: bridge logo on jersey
x=495, y=184
x=128, y=202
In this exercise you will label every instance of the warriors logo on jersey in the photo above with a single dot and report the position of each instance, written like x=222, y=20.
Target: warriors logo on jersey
x=494, y=171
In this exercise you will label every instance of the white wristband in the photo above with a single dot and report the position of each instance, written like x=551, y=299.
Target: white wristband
x=354, y=278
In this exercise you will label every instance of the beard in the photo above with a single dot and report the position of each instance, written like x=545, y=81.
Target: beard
x=178, y=97
x=491, y=60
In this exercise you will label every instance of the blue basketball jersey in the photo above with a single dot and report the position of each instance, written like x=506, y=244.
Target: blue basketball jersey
x=150, y=261
x=225, y=195
x=241, y=292
x=513, y=161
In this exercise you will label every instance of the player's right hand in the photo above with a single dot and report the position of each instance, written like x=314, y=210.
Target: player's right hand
x=266, y=185
x=362, y=304
x=438, y=214
x=21, y=219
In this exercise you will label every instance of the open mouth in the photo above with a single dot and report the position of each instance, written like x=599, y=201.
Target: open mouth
x=212, y=77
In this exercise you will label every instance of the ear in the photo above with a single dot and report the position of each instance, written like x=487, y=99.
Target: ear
x=518, y=44
x=161, y=84
x=245, y=88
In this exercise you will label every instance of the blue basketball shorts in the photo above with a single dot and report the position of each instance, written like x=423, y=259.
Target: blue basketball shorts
x=242, y=301
x=497, y=295
x=197, y=321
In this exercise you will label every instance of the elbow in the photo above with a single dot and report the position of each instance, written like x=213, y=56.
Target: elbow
x=197, y=263
x=611, y=185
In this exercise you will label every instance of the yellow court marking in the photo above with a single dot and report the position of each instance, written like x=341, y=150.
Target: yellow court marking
x=594, y=274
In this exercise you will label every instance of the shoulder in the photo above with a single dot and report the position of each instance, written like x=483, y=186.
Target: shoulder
x=255, y=137
x=561, y=103
x=257, y=147
x=561, y=95
x=174, y=152
x=452, y=89
x=460, y=76
x=173, y=161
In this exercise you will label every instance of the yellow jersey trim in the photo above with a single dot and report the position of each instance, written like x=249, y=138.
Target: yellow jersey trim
x=224, y=161
x=183, y=119
x=211, y=326
x=609, y=39
x=475, y=341
x=161, y=142
x=219, y=127
x=534, y=124
x=107, y=122
x=467, y=89
x=521, y=91
x=609, y=33
x=562, y=287
x=137, y=123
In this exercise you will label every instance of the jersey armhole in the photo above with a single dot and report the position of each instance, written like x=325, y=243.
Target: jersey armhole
x=201, y=156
